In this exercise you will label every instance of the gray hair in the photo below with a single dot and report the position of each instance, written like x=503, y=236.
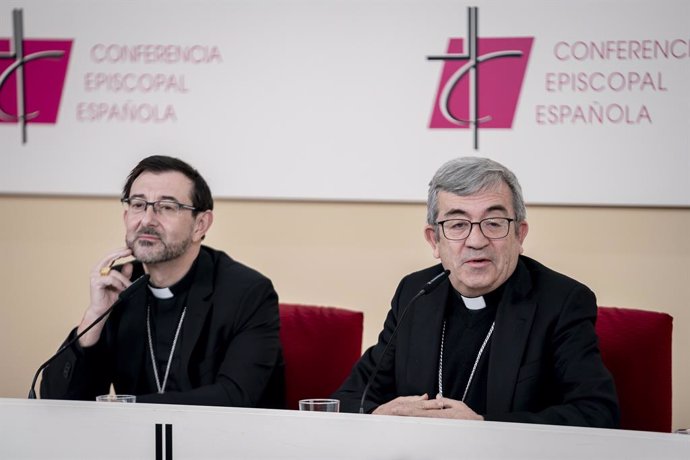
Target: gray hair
x=469, y=175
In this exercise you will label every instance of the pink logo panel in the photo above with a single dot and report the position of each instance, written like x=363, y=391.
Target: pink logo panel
x=500, y=67
x=44, y=78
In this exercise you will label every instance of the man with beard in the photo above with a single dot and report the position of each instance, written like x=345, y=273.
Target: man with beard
x=502, y=338
x=204, y=330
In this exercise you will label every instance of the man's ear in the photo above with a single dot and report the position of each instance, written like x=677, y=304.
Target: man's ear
x=523, y=229
x=431, y=238
x=202, y=224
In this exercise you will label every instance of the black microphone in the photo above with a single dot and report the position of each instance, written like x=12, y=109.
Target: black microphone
x=124, y=295
x=428, y=287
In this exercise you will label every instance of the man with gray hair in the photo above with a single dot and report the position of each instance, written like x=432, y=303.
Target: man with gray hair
x=502, y=338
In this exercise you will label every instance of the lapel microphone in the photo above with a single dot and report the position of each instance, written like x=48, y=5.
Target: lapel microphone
x=428, y=287
x=124, y=295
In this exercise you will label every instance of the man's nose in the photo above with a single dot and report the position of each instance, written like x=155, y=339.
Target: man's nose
x=149, y=215
x=476, y=238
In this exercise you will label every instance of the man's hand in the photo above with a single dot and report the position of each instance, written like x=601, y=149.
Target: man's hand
x=106, y=285
x=422, y=406
x=402, y=405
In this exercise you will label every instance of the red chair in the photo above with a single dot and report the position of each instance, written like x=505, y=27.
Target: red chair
x=636, y=347
x=320, y=346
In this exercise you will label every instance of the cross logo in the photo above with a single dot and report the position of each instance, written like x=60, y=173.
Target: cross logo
x=32, y=75
x=468, y=98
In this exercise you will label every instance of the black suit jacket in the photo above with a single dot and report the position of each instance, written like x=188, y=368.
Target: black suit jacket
x=544, y=360
x=229, y=344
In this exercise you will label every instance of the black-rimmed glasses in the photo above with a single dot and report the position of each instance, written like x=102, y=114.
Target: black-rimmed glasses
x=494, y=228
x=164, y=208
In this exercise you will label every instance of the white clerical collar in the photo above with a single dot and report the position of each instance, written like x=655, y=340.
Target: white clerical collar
x=161, y=293
x=474, y=303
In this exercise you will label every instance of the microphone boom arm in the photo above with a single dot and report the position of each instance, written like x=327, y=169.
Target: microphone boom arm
x=124, y=295
x=428, y=287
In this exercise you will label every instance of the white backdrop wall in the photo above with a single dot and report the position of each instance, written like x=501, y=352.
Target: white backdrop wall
x=333, y=99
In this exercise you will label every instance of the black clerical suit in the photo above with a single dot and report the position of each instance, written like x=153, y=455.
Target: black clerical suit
x=229, y=349
x=544, y=364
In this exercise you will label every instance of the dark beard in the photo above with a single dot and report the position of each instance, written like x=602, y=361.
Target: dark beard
x=166, y=253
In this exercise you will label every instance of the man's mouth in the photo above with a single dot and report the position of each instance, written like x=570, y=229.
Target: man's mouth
x=477, y=262
x=148, y=236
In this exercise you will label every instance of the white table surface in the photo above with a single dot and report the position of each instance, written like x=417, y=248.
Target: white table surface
x=84, y=429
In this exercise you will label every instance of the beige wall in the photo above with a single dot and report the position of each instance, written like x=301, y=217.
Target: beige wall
x=343, y=254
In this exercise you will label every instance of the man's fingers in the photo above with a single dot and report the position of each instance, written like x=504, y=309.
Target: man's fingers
x=114, y=281
x=119, y=281
x=434, y=404
x=127, y=270
x=103, y=267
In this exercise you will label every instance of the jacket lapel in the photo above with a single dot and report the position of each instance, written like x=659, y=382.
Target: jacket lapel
x=513, y=324
x=198, y=306
x=130, y=354
x=424, y=340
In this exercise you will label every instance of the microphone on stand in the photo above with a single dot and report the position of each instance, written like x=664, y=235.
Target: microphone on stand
x=124, y=295
x=428, y=287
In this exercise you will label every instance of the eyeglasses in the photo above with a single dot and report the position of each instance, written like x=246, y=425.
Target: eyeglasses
x=163, y=208
x=494, y=228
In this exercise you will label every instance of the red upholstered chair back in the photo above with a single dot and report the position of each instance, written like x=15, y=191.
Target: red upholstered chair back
x=320, y=345
x=636, y=347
